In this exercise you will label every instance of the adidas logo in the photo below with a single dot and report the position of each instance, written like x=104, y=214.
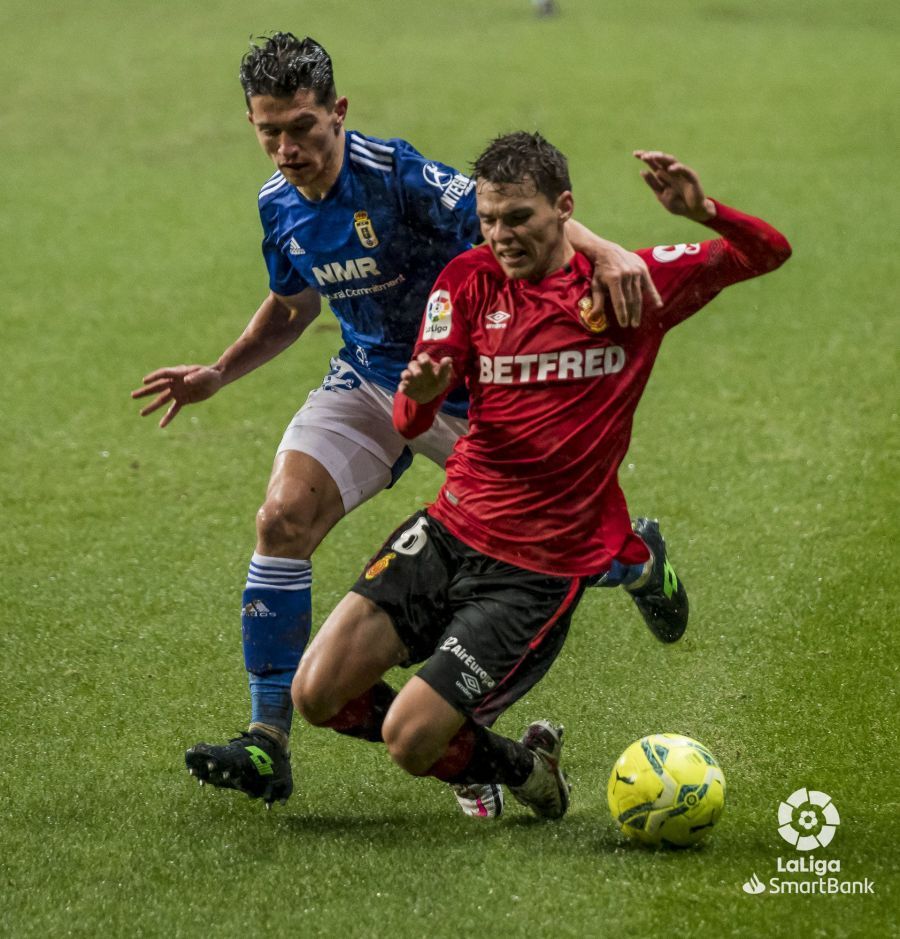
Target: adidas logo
x=257, y=608
x=294, y=247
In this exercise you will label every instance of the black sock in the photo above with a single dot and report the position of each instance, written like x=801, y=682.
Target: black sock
x=494, y=759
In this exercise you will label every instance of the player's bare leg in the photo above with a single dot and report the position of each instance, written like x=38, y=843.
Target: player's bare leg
x=419, y=731
x=427, y=736
x=339, y=678
x=302, y=504
x=419, y=727
x=339, y=685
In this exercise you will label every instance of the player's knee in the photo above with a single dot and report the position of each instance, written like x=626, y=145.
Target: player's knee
x=309, y=702
x=411, y=745
x=285, y=529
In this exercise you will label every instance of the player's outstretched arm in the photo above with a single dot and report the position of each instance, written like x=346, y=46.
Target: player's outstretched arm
x=747, y=246
x=620, y=273
x=277, y=323
x=677, y=187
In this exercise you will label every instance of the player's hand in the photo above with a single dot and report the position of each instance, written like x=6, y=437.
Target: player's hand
x=625, y=277
x=177, y=386
x=676, y=186
x=424, y=379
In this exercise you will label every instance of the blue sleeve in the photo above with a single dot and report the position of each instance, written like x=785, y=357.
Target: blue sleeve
x=435, y=195
x=284, y=278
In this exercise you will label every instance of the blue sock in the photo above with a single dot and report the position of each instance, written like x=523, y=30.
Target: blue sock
x=620, y=574
x=275, y=623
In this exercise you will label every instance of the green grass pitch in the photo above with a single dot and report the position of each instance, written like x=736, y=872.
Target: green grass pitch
x=766, y=443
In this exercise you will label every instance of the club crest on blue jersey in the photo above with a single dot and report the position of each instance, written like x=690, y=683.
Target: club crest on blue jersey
x=365, y=229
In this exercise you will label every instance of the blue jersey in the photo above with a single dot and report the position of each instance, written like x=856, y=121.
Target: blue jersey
x=373, y=247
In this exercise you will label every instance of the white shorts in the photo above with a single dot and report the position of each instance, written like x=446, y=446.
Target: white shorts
x=347, y=426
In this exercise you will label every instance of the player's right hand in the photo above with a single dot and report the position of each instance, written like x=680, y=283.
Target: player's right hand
x=177, y=386
x=424, y=379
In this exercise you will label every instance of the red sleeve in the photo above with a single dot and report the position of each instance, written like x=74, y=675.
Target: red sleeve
x=689, y=276
x=411, y=418
x=444, y=332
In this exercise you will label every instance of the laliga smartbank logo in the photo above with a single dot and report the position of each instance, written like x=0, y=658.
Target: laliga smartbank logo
x=807, y=819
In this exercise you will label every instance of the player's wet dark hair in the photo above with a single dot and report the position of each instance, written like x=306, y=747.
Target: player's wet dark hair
x=513, y=157
x=283, y=64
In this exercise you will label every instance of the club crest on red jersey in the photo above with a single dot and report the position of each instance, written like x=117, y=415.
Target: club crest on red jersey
x=593, y=324
x=380, y=566
x=365, y=229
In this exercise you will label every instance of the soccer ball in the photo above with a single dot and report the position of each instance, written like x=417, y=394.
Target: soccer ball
x=666, y=789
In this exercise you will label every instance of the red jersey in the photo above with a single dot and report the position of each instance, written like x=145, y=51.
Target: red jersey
x=534, y=481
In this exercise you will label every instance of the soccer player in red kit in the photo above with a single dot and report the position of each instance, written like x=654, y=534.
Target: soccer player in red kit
x=481, y=585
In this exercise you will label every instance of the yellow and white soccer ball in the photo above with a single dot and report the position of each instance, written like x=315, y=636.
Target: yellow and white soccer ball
x=666, y=789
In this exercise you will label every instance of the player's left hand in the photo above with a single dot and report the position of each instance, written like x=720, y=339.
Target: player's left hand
x=676, y=186
x=624, y=276
x=424, y=379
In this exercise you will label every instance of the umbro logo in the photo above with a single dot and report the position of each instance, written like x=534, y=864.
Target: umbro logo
x=294, y=247
x=497, y=320
x=257, y=608
x=471, y=682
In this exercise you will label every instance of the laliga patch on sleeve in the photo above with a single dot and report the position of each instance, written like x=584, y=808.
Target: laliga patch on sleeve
x=438, y=316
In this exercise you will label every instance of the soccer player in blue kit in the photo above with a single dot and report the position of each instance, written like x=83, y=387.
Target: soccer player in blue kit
x=367, y=224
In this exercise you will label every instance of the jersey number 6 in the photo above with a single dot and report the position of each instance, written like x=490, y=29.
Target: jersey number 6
x=413, y=539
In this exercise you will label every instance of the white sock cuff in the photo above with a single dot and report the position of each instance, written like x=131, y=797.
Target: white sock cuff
x=280, y=573
x=285, y=564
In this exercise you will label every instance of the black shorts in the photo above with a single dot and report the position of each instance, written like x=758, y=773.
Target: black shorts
x=487, y=631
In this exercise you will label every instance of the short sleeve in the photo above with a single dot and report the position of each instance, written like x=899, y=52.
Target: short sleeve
x=435, y=195
x=284, y=278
